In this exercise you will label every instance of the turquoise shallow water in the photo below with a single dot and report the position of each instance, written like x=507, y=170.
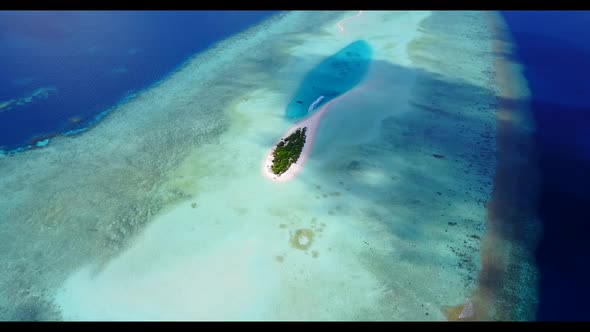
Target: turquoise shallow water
x=164, y=214
x=331, y=78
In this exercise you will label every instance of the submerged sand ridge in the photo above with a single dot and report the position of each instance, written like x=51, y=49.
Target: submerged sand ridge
x=370, y=230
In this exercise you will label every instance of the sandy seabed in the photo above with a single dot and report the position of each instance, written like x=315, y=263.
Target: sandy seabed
x=161, y=211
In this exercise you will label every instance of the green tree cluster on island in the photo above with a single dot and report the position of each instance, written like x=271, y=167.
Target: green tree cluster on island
x=288, y=151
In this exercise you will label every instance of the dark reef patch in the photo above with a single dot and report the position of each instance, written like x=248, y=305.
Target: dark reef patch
x=302, y=239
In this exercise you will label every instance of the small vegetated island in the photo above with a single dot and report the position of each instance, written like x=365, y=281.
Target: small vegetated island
x=288, y=150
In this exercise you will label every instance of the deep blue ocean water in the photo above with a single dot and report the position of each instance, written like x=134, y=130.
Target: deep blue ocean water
x=62, y=70
x=556, y=52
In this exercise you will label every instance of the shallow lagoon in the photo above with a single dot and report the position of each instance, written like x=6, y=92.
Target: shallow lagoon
x=332, y=77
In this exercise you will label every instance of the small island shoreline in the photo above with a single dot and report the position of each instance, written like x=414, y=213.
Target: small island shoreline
x=310, y=124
